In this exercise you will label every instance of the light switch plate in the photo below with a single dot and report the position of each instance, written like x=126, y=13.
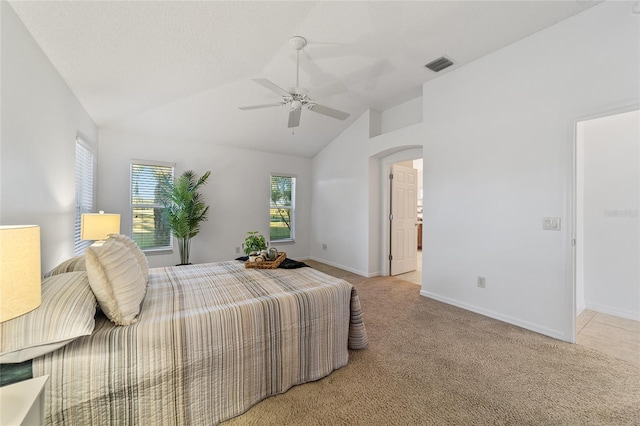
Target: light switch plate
x=551, y=223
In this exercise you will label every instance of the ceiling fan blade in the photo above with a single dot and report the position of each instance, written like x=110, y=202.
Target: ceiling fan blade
x=261, y=106
x=325, y=110
x=294, y=117
x=328, y=90
x=271, y=86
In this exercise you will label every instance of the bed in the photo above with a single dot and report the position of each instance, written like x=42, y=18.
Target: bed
x=209, y=341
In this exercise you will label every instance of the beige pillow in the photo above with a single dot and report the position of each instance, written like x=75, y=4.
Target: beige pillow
x=116, y=281
x=67, y=312
x=137, y=253
x=70, y=265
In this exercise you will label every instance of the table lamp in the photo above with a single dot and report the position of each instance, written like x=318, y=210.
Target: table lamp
x=98, y=226
x=20, y=276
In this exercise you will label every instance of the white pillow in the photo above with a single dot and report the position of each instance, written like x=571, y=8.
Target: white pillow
x=67, y=311
x=137, y=253
x=116, y=281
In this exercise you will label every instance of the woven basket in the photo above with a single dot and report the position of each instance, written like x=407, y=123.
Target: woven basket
x=267, y=264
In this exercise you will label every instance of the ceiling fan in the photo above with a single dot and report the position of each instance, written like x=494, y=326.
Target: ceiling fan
x=298, y=97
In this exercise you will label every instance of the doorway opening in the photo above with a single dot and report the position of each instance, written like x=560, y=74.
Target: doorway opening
x=607, y=273
x=405, y=155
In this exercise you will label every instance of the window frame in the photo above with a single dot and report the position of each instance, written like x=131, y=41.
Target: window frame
x=168, y=249
x=291, y=207
x=80, y=245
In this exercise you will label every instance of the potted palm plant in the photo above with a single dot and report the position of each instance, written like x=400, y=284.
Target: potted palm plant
x=184, y=208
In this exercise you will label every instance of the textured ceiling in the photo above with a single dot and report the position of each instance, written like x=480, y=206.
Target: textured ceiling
x=182, y=69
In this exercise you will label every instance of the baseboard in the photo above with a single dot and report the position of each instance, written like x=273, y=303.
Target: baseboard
x=556, y=334
x=346, y=268
x=613, y=311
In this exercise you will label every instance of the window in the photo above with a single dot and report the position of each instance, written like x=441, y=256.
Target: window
x=150, y=229
x=282, y=208
x=85, y=176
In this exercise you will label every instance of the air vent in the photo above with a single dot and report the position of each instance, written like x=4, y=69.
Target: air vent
x=439, y=64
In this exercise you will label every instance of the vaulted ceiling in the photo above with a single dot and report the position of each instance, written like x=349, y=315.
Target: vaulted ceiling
x=181, y=70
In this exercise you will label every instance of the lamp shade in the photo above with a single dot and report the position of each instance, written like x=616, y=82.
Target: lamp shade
x=19, y=270
x=98, y=226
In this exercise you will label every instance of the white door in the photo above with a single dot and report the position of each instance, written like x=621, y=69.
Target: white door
x=404, y=219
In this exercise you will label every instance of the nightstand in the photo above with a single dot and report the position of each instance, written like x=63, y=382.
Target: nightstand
x=22, y=403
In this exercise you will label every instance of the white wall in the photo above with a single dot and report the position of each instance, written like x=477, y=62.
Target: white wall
x=40, y=120
x=348, y=199
x=497, y=139
x=403, y=115
x=237, y=191
x=498, y=159
x=611, y=190
x=341, y=201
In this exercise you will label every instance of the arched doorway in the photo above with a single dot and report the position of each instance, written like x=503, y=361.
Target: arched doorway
x=399, y=155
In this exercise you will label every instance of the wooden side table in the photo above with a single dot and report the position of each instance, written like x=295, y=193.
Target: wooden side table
x=22, y=403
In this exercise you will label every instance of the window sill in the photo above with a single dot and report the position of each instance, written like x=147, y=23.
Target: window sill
x=285, y=242
x=154, y=252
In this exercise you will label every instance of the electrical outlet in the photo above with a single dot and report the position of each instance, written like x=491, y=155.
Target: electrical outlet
x=237, y=249
x=324, y=247
x=481, y=282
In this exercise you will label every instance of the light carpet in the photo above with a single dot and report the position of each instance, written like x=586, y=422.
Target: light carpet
x=429, y=363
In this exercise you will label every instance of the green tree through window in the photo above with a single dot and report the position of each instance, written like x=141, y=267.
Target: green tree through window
x=149, y=225
x=282, y=208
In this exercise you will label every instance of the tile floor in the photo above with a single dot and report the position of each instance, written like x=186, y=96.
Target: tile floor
x=615, y=336
x=414, y=276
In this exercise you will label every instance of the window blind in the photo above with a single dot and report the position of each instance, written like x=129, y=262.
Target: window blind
x=85, y=175
x=150, y=229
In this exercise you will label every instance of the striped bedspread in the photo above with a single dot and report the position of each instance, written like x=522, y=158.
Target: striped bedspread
x=211, y=341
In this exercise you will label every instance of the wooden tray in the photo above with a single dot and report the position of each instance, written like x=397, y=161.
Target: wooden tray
x=267, y=264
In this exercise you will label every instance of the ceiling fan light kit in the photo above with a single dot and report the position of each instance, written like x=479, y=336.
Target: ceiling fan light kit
x=298, y=97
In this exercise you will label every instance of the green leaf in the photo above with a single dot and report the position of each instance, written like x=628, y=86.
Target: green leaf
x=185, y=208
